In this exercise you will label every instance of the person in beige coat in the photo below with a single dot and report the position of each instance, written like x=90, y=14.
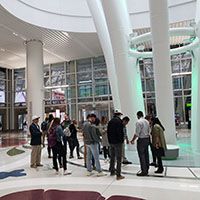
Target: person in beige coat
x=158, y=142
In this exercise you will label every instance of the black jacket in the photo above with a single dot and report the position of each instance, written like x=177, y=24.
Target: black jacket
x=115, y=131
x=73, y=131
x=35, y=134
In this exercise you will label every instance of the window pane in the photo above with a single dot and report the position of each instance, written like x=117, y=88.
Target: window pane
x=2, y=96
x=47, y=94
x=84, y=65
x=150, y=85
x=100, y=76
x=101, y=90
x=19, y=85
x=58, y=94
x=19, y=74
x=20, y=97
x=70, y=67
x=186, y=65
x=141, y=70
x=177, y=82
x=2, y=73
x=46, y=82
x=46, y=71
x=148, y=70
x=2, y=85
x=85, y=91
x=57, y=80
x=187, y=81
x=178, y=106
x=83, y=78
x=151, y=107
x=70, y=78
x=99, y=63
x=57, y=69
x=71, y=92
x=176, y=66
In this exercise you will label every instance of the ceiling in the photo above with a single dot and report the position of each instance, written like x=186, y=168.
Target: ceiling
x=58, y=46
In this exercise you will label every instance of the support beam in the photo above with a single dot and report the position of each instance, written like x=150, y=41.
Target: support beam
x=162, y=67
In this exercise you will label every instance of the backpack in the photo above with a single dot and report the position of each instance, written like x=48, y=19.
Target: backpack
x=52, y=140
x=44, y=126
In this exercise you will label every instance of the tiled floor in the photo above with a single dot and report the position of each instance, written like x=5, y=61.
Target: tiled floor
x=175, y=183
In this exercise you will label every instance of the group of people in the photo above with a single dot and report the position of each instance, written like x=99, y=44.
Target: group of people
x=149, y=131
x=111, y=135
x=58, y=136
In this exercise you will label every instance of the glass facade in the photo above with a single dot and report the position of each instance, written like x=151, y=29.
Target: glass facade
x=81, y=86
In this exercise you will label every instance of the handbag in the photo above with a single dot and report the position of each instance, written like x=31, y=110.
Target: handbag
x=160, y=152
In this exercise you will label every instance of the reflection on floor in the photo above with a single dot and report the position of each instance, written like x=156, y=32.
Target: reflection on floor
x=175, y=183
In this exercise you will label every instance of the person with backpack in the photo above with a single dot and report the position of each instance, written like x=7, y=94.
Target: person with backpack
x=44, y=130
x=56, y=137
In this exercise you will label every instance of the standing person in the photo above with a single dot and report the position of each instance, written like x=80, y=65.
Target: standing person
x=148, y=118
x=91, y=141
x=158, y=142
x=36, y=142
x=49, y=124
x=44, y=130
x=105, y=143
x=125, y=121
x=74, y=139
x=56, y=137
x=142, y=133
x=116, y=139
x=65, y=125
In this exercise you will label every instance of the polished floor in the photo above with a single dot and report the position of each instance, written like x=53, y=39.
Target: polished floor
x=177, y=182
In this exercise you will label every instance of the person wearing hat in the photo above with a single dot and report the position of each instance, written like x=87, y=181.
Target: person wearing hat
x=36, y=142
x=116, y=138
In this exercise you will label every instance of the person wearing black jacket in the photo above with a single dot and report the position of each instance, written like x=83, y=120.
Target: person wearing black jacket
x=36, y=142
x=73, y=139
x=116, y=139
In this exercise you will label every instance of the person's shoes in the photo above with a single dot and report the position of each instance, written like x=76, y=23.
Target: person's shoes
x=33, y=166
x=120, y=178
x=159, y=171
x=67, y=172
x=142, y=174
x=153, y=164
x=126, y=162
x=50, y=157
x=71, y=157
x=112, y=173
x=80, y=157
x=90, y=173
x=101, y=174
x=39, y=165
x=57, y=172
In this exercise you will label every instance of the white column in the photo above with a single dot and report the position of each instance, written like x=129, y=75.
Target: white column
x=195, y=107
x=127, y=72
x=162, y=67
x=97, y=13
x=35, y=79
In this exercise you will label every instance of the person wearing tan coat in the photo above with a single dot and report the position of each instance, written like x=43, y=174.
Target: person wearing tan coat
x=158, y=142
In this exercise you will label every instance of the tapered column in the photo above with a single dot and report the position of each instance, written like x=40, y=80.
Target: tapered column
x=162, y=67
x=195, y=107
x=35, y=79
x=97, y=13
x=127, y=72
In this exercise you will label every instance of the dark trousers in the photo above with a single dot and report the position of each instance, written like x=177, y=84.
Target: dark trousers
x=115, y=152
x=160, y=165
x=106, y=152
x=74, y=143
x=153, y=153
x=59, y=151
x=143, y=153
x=49, y=150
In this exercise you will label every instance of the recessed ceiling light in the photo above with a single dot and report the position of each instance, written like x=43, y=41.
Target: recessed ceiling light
x=3, y=50
x=15, y=34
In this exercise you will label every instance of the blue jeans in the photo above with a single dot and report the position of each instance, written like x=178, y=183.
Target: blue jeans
x=92, y=150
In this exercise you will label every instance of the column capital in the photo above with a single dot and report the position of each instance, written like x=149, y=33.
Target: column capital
x=33, y=40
